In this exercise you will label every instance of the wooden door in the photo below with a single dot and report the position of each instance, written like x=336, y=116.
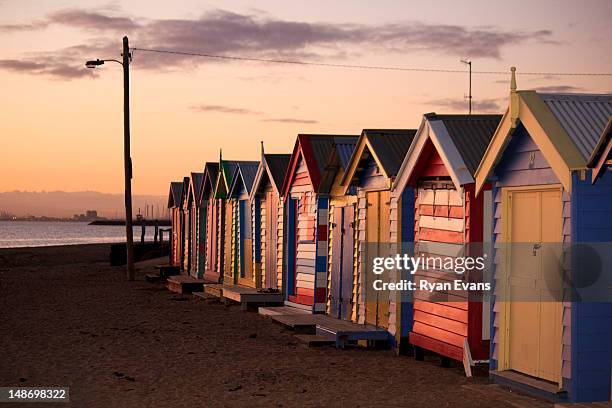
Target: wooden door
x=227, y=244
x=342, y=263
x=209, y=236
x=291, y=281
x=534, y=308
x=245, y=243
x=336, y=267
x=377, y=238
x=271, y=280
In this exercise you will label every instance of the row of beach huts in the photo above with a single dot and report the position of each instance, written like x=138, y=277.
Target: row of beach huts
x=298, y=231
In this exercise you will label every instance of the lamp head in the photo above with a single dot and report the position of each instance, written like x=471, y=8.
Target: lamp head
x=94, y=63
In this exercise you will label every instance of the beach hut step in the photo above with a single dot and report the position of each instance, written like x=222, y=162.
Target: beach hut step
x=214, y=289
x=184, y=284
x=203, y=297
x=585, y=405
x=347, y=332
x=527, y=384
x=152, y=277
x=300, y=324
x=499, y=393
x=251, y=296
x=280, y=310
x=313, y=340
x=168, y=270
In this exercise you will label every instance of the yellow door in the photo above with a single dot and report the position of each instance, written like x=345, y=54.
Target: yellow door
x=377, y=238
x=534, y=308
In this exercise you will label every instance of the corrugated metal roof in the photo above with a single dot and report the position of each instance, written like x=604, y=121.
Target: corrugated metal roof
x=230, y=170
x=602, y=143
x=247, y=170
x=345, y=151
x=323, y=147
x=323, y=150
x=582, y=116
x=184, y=189
x=174, y=195
x=471, y=134
x=277, y=165
x=211, y=171
x=196, y=183
x=390, y=146
x=227, y=171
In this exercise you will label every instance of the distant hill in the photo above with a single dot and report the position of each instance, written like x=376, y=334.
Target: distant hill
x=66, y=204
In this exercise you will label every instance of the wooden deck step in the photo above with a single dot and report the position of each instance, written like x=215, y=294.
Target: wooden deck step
x=168, y=270
x=498, y=393
x=584, y=405
x=313, y=340
x=280, y=310
x=152, y=277
x=184, y=284
x=203, y=297
x=214, y=289
x=529, y=385
x=344, y=331
x=251, y=296
x=301, y=324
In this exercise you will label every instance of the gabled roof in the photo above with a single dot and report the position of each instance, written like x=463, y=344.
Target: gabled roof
x=174, y=195
x=209, y=181
x=582, y=116
x=388, y=148
x=184, y=190
x=316, y=151
x=227, y=169
x=272, y=167
x=460, y=140
x=565, y=127
x=244, y=176
x=276, y=165
x=195, y=186
x=602, y=152
x=471, y=134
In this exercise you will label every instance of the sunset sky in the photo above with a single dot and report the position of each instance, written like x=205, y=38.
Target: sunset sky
x=61, y=124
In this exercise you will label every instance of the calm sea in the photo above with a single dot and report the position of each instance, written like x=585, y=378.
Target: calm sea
x=15, y=234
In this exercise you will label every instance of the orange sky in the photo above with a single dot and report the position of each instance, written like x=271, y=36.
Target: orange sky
x=62, y=125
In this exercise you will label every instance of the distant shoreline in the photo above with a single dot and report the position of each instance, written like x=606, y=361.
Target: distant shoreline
x=161, y=223
x=149, y=223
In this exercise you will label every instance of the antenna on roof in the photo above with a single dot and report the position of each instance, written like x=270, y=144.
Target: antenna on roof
x=514, y=101
x=469, y=97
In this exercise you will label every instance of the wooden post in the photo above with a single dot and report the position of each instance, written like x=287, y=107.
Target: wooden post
x=156, y=231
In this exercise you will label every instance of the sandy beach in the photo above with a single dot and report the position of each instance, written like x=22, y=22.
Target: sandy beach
x=69, y=319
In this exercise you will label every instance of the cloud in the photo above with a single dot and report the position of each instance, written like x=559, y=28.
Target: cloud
x=224, y=109
x=494, y=105
x=291, y=120
x=261, y=35
x=50, y=68
x=88, y=20
x=559, y=88
x=244, y=111
x=9, y=28
x=94, y=21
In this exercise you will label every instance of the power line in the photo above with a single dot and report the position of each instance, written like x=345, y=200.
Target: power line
x=370, y=67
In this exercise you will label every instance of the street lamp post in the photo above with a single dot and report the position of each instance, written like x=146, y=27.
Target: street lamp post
x=127, y=160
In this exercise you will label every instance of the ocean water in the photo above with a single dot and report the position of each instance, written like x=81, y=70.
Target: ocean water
x=16, y=234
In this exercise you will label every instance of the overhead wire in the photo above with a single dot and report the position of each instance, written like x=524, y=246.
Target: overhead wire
x=357, y=66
